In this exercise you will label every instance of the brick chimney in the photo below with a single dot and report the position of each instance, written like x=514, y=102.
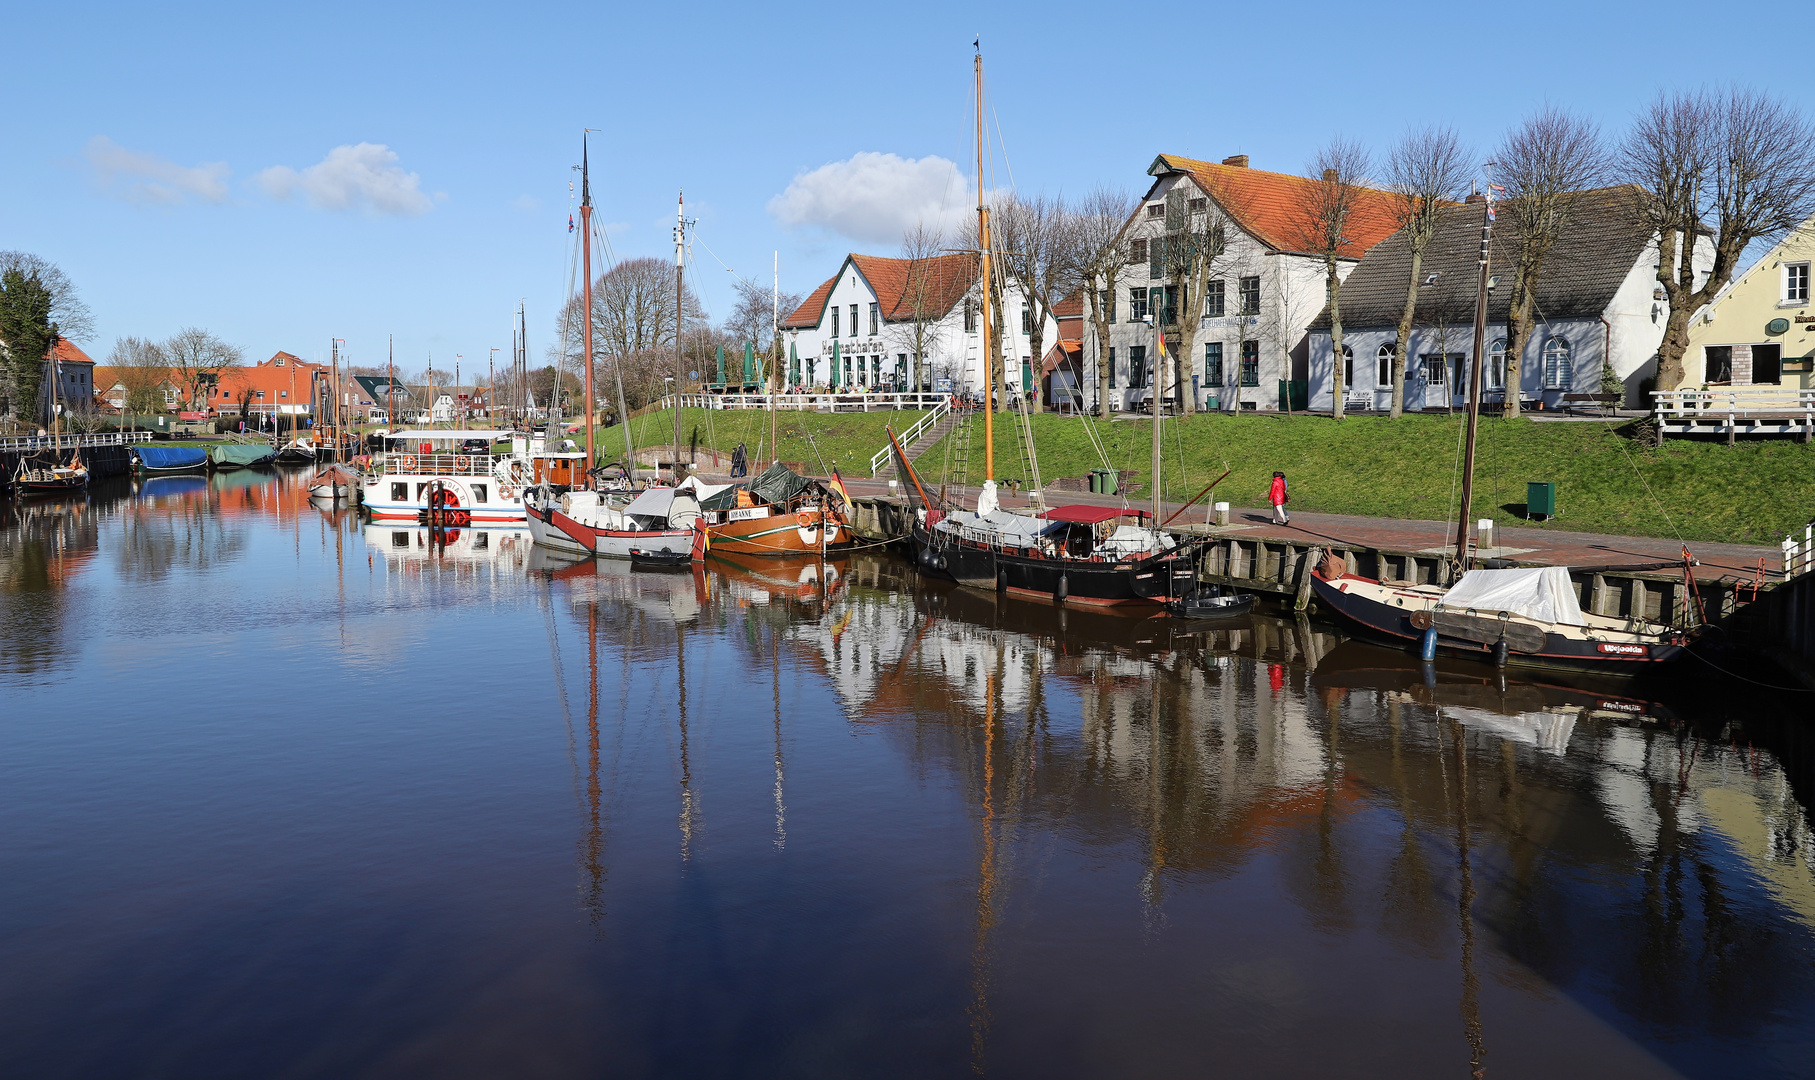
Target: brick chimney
x=1476, y=197
x=1239, y=161
x=1329, y=176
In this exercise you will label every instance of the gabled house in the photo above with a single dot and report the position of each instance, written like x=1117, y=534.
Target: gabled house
x=1760, y=330
x=1062, y=368
x=382, y=392
x=1597, y=302
x=904, y=325
x=1261, y=293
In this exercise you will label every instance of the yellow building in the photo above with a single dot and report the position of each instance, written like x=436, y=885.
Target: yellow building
x=1760, y=330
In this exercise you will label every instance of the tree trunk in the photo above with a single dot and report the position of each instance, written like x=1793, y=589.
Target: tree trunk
x=1671, y=370
x=1036, y=340
x=1518, y=334
x=1403, y=341
x=1099, y=318
x=1338, y=384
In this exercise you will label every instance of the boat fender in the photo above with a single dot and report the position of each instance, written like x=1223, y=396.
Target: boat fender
x=1002, y=581
x=1064, y=588
x=1420, y=620
x=1500, y=652
x=1427, y=646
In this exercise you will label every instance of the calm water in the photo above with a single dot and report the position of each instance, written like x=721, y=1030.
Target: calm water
x=285, y=795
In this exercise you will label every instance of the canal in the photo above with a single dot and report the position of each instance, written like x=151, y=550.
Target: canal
x=286, y=794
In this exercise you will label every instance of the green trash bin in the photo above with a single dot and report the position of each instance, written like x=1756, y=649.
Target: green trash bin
x=1094, y=478
x=1540, y=499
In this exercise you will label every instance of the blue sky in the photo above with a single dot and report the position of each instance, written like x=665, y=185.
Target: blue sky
x=287, y=174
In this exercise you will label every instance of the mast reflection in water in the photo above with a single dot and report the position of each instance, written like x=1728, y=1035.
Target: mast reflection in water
x=287, y=793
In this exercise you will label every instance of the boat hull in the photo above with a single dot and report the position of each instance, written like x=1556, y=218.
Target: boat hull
x=501, y=504
x=552, y=529
x=779, y=535
x=1390, y=624
x=1078, y=581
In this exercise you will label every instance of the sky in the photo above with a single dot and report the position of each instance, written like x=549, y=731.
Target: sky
x=284, y=175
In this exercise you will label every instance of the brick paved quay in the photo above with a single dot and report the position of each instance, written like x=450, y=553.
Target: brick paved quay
x=1530, y=545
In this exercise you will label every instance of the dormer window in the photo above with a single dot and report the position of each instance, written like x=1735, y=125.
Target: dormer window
x=1157, y=209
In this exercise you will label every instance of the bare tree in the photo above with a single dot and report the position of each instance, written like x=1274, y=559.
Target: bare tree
x=1544, y=164
x=1098, y=256
x=197, y=359
x=141, y=368
x=1426, y=169
x=1733, y=165
x=1033, y=243
x=915, y=319
x=1192, y=250
x=67, y=311
x=1322, y=219
x=754, y=319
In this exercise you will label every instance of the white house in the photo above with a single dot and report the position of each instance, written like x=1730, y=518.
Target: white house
x=1597, y=300
x=1262, y=293
x=904, y=324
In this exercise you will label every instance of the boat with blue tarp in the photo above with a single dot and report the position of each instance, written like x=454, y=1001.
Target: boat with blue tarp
x=164, y=459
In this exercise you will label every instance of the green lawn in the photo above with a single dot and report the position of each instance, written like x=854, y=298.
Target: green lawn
x=1755, y=492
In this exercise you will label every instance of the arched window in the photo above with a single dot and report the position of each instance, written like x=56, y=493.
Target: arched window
x=1496, y=365
x=1383, y=360
x=1348, y=367
x=1556, y=363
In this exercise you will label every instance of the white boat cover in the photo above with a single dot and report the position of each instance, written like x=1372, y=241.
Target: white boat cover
x=659, y=502
x=1542, y=593
x=705, y=491
x=1001, y=527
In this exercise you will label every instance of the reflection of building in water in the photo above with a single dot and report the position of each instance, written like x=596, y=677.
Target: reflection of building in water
x=43, y=546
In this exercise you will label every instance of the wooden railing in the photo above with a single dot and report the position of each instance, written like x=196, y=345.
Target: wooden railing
x=1732, y=399
x=67, y=442
x=815, y=402
x=908, y=437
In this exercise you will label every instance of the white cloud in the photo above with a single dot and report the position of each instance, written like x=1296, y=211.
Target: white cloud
x=527, y=203
x=874, y=198
x=352, y=177
x=140, y=177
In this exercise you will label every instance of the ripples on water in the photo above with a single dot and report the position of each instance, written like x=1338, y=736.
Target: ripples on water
x=285, y=794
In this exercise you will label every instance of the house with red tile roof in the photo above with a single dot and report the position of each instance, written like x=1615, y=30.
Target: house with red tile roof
x=904, y=324
x=1062, y=368
x=285, y=385
x=1248, y=332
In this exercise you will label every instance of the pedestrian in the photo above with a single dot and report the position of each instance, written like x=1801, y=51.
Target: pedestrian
x=738, y=457
x=1278, y=496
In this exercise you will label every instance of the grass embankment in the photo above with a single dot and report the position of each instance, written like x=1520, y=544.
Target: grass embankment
x=1755, y=492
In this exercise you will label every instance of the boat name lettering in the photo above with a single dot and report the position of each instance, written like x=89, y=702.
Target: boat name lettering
x=1621, y=650
x=749, y=514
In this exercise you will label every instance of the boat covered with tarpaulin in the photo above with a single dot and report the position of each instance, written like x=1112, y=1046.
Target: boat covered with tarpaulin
x=170, y=458
x=241, y=455
x=778, y=513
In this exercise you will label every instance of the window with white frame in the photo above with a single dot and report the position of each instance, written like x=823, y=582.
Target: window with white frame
x=1556, y=363
x=1137, y=304
x=1496, y=365
x=1383, y=366
x=1434, y=369
x=1796, y=283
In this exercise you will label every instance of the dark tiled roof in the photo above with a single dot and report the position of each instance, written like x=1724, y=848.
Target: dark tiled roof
x=1604, y=240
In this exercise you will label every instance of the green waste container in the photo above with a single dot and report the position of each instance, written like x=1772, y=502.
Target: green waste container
x=1541, y=499
x=1213, y=403
x=1102, y=481
x=1094, y=478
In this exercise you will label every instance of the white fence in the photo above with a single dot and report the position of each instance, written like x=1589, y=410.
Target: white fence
x=827, y=402
x=1799, y=552
x=1737, y=410
x=908, y=437
x=67, y=442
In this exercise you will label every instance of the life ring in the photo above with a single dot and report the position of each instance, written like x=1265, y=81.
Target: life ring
x=805, y=520
x=507, y=491
x=463, y=463
x=409, y=464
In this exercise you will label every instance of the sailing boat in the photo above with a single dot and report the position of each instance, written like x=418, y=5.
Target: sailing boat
x=53, y=478
x=1527, y=617
x=1087, y=554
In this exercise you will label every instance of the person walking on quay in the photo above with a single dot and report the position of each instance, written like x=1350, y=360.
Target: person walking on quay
x=1279, y=498
x=738, y=457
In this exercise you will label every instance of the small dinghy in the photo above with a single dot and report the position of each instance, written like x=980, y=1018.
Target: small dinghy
x=1202, y=605
x=660, y=560
x=333, y=483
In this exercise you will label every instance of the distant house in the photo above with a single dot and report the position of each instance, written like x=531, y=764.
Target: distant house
x=1596, y=303
x=76, y=371
x=1760, y=329
x=874, y=312
x=284, y=385
x=383, y=392
x=1062, y=368
x=1265, y=289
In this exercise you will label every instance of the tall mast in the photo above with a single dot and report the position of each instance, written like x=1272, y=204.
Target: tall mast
x=390, y=381
x=775, y=357
x=680, y=244
x=989, y=365
x=586, y=291
x=1474, y=383
x=1157, y=368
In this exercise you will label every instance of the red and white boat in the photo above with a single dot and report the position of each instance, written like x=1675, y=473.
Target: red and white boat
x=582, y=523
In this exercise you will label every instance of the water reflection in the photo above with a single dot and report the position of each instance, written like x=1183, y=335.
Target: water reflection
x=920, y=830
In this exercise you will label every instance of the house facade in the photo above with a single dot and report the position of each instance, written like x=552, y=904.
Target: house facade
x=284, y=385
x=901, y=325
x=1597, y=303
x=1759, y=330
x=1261, y=292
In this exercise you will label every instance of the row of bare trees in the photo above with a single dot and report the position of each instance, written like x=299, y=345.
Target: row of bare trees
x=192, y=359
x=1714, y=170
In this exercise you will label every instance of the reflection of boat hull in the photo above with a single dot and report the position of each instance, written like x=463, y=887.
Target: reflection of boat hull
x=1079, y=581
x=1382, y=613
x=782, y=534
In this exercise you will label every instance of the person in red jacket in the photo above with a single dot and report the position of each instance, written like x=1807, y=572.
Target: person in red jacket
x=1279, y=498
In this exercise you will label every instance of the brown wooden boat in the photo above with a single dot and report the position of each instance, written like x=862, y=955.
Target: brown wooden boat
x=779, y=513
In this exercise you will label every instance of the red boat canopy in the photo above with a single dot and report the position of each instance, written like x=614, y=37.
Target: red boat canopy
x=1084, y=514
